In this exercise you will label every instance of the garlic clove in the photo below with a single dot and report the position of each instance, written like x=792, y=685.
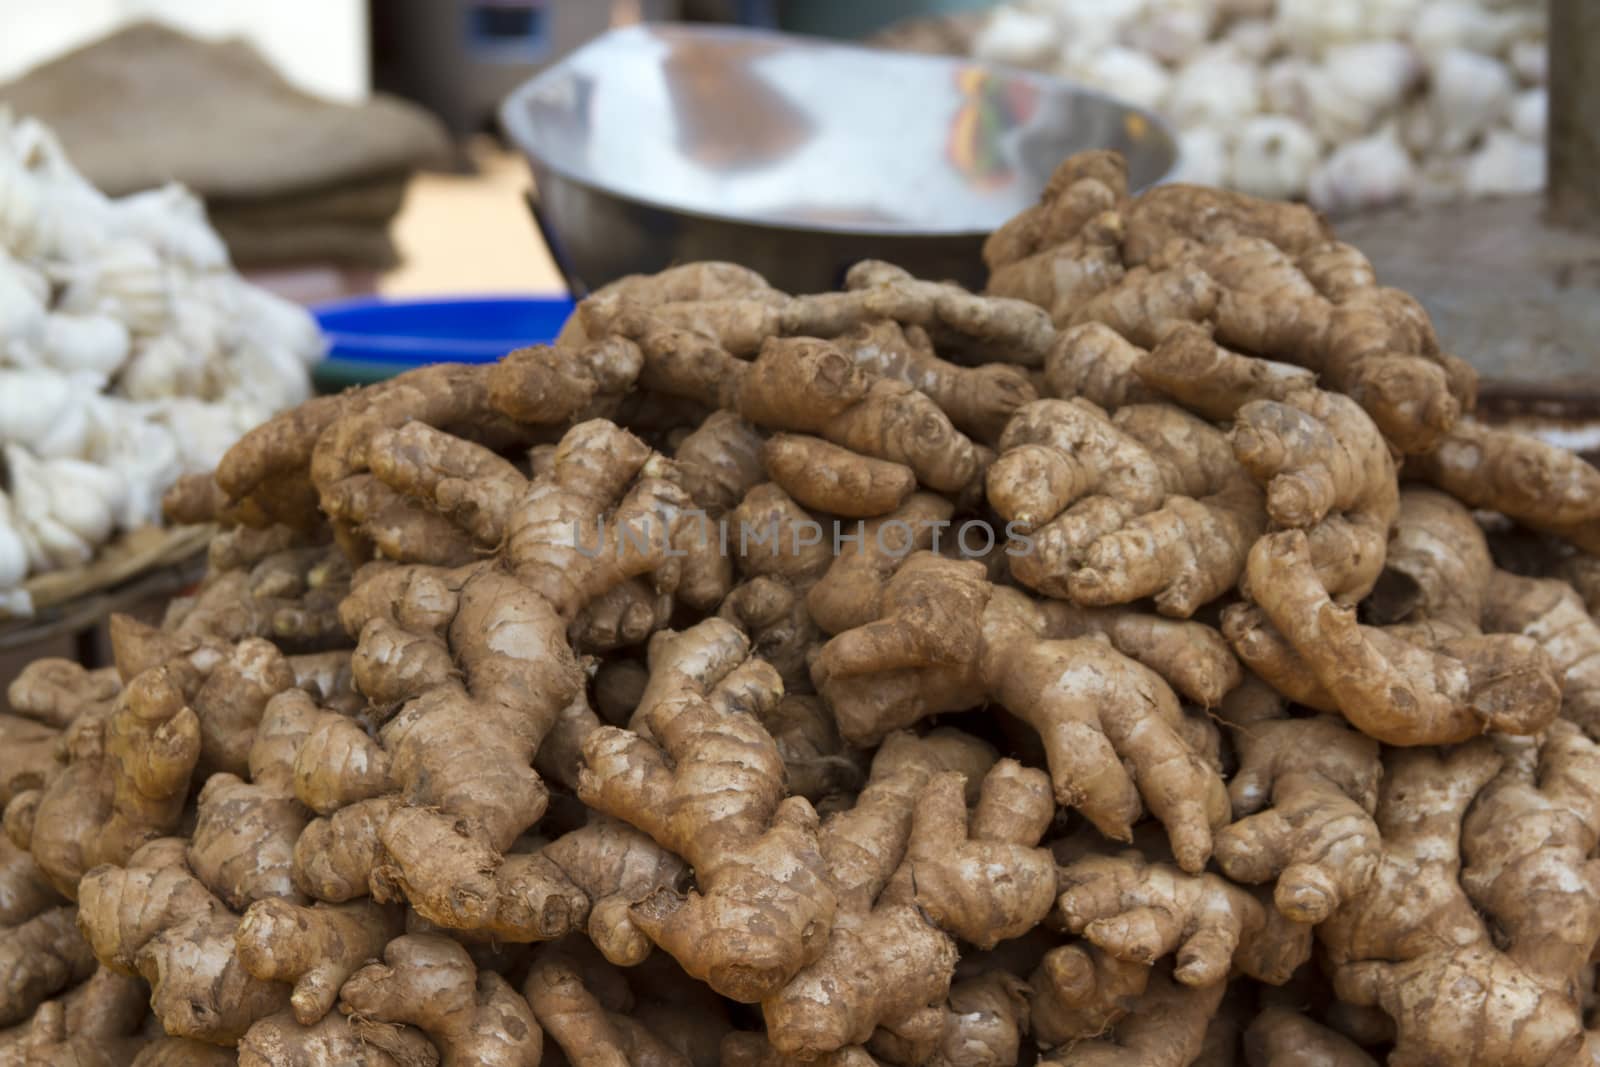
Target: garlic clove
x=1273, y=157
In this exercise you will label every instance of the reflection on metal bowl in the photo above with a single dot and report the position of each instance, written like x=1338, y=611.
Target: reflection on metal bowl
x=656, y=144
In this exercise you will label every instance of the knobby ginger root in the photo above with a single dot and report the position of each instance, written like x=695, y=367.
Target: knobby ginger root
x=475, y=688
x=1538, y=485
x=95, y=1024
x=127, y=786
x=589, y=1010
x=473, y=1017
x=1389, y=688
x=1303, y=798
x=1139, y=912
x=1081, y=187
x=760, y=909
x=154, y=918
x=829, y=478
x=1375, y=345
x=810, y=386
x=1148, y=503
x=947, y=640
x=988, y=327
x=315, y=948
x=1279, y=1037
x=1527, y=871
x=979, y=400
x=39, y=957
x=332, y=1041
x=1166, y=1027
x=846, y=993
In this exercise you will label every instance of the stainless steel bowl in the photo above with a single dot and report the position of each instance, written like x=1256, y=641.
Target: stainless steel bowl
x=661, y=144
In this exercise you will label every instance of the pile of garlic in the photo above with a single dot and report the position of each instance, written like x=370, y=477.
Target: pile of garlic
x=130, y=354
x=1350, y=104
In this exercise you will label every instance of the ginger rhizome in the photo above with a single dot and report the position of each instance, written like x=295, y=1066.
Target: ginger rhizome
x=1150, y=502
x=646, y=697
x=705, y=780
x=947, y=640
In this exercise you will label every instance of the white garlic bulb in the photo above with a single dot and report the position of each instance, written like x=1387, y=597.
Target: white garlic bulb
x=1015, y=36
x=14, y=601
x=46, y=411
x=143, y=451
x=1530, y=60
x=1438, y=75
x=126, y=279
x=1171, y=31
x=1371, y=172
x=1445, y=24
x=166, y=366
x=1218, y=89
x=22, y=309
x=109, y=312
x=172, y=220
x=1360, y=83
x=1313, y=26
x=1505, y=165
x=97, y=344
x=1202, y=157
x=1273, y=157
x=1255, y=39
x=64, y=507
x=1530, y=114
x=1471, y=93
x=1132, y=76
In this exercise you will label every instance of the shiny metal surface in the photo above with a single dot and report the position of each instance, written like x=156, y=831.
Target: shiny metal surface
x=657, y=144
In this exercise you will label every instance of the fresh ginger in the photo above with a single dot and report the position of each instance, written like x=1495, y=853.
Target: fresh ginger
x=1062, y=278
x=829, y=478
x=95, y=1024
x=1303, y=798
x=1148, y=503
x=372, y=724
x=314, y=948
x=1520, y=856
x=1146, y=304
x=1096, y=363
x=1539, y=485
x=1140, y=912
x=1211, y=216
x=589, y=1010
x=1082, y=187
x=1166, y=1027
x=946, y=640
x=854, y=987
x=1375, y=345
x=809, y=386
x=985, y=327
x=1387, y=687
x=126, y=785
x=760, y=909
x=1280, y=1037
x=58, y=692
x=1550, y=612
x=154, y=918
x=473, y=1017
x=39, y=957
x=979, y=400
x=332, y=1041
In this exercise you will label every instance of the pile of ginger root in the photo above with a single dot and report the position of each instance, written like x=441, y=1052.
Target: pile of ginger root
x=1146, y=661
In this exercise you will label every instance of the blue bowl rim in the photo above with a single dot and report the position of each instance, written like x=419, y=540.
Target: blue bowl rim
x=360, y=346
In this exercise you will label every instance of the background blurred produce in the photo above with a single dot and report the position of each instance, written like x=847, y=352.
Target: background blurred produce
x=130, y=354
x=1351, y=104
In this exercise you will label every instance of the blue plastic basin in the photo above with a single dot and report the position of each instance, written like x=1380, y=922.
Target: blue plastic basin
x=371, y=338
